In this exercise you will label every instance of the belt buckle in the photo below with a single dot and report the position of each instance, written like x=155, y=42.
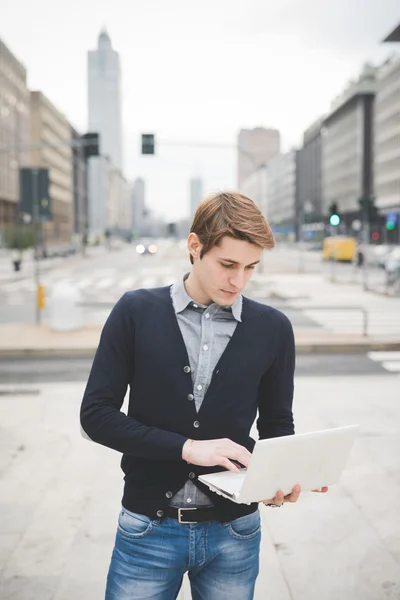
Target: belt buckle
x=180, y=516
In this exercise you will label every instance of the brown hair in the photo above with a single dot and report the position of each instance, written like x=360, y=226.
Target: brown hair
x=231, y=214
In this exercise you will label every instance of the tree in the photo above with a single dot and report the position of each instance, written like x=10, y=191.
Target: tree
x=19, y=236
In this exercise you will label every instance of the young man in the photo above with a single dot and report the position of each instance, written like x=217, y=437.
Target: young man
x=200, y=360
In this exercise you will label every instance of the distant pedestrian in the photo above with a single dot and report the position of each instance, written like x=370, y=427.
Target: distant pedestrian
x=200, y=360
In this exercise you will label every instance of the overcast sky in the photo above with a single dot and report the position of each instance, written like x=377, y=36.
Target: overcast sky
x=200, y=71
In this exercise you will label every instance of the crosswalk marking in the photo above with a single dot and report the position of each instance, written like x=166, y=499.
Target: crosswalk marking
x=104, y=283
x=127, y=283
x=390, y=360
x=391, y=365
x=85, y=283
x=351, y=321
x=383, y=356
x=148, y=282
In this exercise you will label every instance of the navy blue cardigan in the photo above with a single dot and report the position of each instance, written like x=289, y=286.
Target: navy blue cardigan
x=141, y=346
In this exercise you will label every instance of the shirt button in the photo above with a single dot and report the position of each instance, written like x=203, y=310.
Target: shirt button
x=195, y=305
x=186, y=369
x=205, y=347
x=192, y=475
x=196, y=424
x=199, y=387
x=188, y=500
x=160, y=513
x=207, y=316
x=169, y=494
x=190, y=397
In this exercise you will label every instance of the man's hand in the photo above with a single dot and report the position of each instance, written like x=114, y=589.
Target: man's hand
x=211, y=453
x=280, y=498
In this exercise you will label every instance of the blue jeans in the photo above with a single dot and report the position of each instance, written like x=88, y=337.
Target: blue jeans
x=150, y=558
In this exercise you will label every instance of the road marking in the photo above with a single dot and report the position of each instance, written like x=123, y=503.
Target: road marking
x=104, y=283
x=384, y=356
x=84, y=283
x=391, y=365
x=168, y=280
x=148, y=282
x=128, y=283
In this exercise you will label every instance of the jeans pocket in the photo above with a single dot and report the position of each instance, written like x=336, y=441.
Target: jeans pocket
x=134, y=525
x=245, y=528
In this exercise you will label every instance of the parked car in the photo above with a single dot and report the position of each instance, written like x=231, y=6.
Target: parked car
x=392, y=260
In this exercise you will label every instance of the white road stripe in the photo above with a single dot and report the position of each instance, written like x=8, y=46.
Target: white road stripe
x=84, y=283
x=391, y=365
x=128, y=283
x=384, y=356
x=148, y=282
x=104, y=283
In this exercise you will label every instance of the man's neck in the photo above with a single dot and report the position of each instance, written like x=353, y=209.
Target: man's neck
x=193, y=290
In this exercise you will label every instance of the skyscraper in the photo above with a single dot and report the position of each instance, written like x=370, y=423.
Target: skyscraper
x=138, y=206
x=104, y=94
x=255, y=147
x=196, y=194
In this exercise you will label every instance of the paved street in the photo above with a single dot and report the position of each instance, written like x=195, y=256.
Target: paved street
x=104, y=276
x=60, y=496
x=25, y=371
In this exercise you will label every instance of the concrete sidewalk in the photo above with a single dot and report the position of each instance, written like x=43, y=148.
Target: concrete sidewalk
x=60, y=497
x=22, y=340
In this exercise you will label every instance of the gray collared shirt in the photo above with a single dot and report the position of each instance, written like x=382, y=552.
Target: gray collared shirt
x=206, y=331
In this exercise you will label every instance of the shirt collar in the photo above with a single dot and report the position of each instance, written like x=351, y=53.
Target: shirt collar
x=181, y=300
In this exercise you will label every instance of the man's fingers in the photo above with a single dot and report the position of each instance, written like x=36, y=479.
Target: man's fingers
x=239, y=453
x=294, y=496
x=323, y=490
x=225, y=462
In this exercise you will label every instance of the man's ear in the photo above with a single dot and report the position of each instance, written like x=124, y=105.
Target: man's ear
x=194, y=245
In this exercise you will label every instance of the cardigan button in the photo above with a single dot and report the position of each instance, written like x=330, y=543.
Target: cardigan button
x=190, y=397
x=192, y=475
x=196, y=424
x=169, y=494
x=160, y=513
x=186, y=369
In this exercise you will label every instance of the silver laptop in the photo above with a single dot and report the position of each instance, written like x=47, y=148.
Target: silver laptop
x=312, y=460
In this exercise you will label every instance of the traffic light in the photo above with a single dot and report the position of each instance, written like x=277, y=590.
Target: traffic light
x=148, y=143
x=334, y=218
x=391, y=221
x=368, y=209
x=90, y=144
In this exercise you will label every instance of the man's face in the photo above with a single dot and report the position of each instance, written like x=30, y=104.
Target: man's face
x=224, y=271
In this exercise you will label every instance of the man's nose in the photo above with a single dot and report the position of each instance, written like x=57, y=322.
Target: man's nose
x=237, y=279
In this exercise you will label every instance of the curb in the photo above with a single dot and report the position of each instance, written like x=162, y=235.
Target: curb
x=301, y=348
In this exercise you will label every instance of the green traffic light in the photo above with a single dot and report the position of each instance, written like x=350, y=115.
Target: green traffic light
x=334, y=220
x=390, y=226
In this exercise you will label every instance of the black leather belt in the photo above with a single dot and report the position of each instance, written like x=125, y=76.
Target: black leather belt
x=195, y=515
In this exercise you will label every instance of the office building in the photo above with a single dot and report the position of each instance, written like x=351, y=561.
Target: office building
x=387, y=137
x=255, y=148
x=347, y=147
x=281, y=192
x=14, y=132
x=80, y=192
x=309, y=175
x=138, y=204
x=196, y=194
x=104, y=95
x=51, y=131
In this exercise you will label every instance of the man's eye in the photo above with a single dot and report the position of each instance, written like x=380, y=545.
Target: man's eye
x=227, y=266
x=252, y=267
